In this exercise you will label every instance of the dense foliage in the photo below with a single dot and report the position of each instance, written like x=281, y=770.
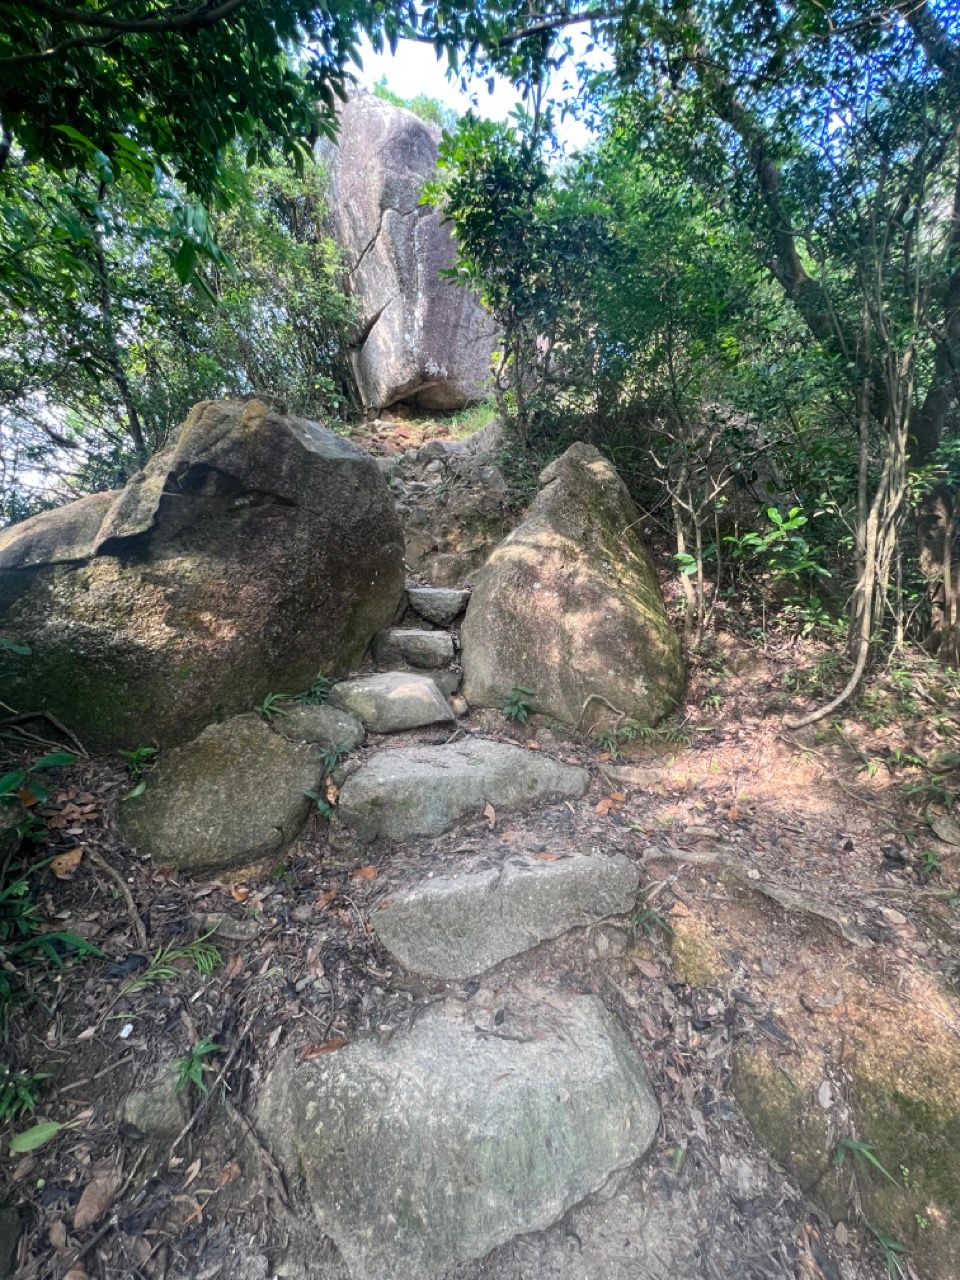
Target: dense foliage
x=748, y=291
x=813, y=152
x=105, y=346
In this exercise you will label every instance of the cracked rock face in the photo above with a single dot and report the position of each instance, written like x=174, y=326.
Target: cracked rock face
x=255, y=552
x=458, y=926
x=422, y=339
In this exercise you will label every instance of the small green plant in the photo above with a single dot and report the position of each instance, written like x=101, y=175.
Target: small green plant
x=652, y=923
x=190, y=1069
x=863, y=1158
x=330, y=757
x=272, y=705
x=18, y=1092
x=612, y=740
x=892, y=1251
x=317, y=694
x=321, y=803
x=24, y=938
x=165, y=965
x=138, y=760
x=22, y=787
x=782, y=552
x=678, y=735
x=929, y=865
x=518, y=704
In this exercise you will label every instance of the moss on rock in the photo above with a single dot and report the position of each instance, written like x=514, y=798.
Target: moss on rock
x=697, y=957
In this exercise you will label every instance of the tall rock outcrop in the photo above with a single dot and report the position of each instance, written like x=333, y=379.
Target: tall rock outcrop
x=422, y=340
x=569, y=606
x=255, y=552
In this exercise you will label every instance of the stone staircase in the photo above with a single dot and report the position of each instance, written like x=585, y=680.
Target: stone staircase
x=487, y=1117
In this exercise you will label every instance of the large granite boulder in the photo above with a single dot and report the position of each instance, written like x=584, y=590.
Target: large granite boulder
x=461, y=1133
x=569, y=606
x=255, y=552
x=422, y=339
x=233, y=797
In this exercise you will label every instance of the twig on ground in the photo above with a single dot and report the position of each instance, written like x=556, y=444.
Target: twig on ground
x=24, y=717
x=598, y=697
x=139, y=928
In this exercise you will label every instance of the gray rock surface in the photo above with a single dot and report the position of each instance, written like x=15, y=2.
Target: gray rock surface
x=231, y=797
x=440, y=605
x=447, y=681
x=456, y=509
x=326, y=725
x=458, y=926
x=255, y=551
x=569, y=606
x=436, y=1148
x=424, y=790
x=157, y=1109
x=391, y=701
x=421, y=338
x=426, y=649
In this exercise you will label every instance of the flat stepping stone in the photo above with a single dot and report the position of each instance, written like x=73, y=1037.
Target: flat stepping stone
x=391, y=701
x=434, y=1149
x=325, y=725
x=425, y=649
x=458, y=926
x=440, y=605
x=421, y=791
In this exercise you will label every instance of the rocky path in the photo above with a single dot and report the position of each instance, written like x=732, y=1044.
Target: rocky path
x=516, y=1091
x=508, y=1008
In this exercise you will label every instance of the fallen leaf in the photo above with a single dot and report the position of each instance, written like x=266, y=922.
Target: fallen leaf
x=57, y=1235
x=547, y=857
x=34, y=1137
x=317, y=1050
x=604, y=806
x=96, y=1199
x=234, y=966
x=332, y=790
x=490, y=813
x=229, y=1173
x=328, y=896
x=534, y=746
x=619, y=796
x=841, y=1233
x=76, y=1273
x=239, y=892
x=733, y=813
x=825, y=1095
x=365, y=873
x=274, y=1036
x=647, y=968
x=65, y=864
x=192, y=1173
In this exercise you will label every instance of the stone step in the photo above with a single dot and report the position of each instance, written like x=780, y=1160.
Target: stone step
x=415, y=648
x=326, y=725
x=459, y=926
x=421, y=791
x=440, y=605
x=390, y=701
x=480, y=1123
